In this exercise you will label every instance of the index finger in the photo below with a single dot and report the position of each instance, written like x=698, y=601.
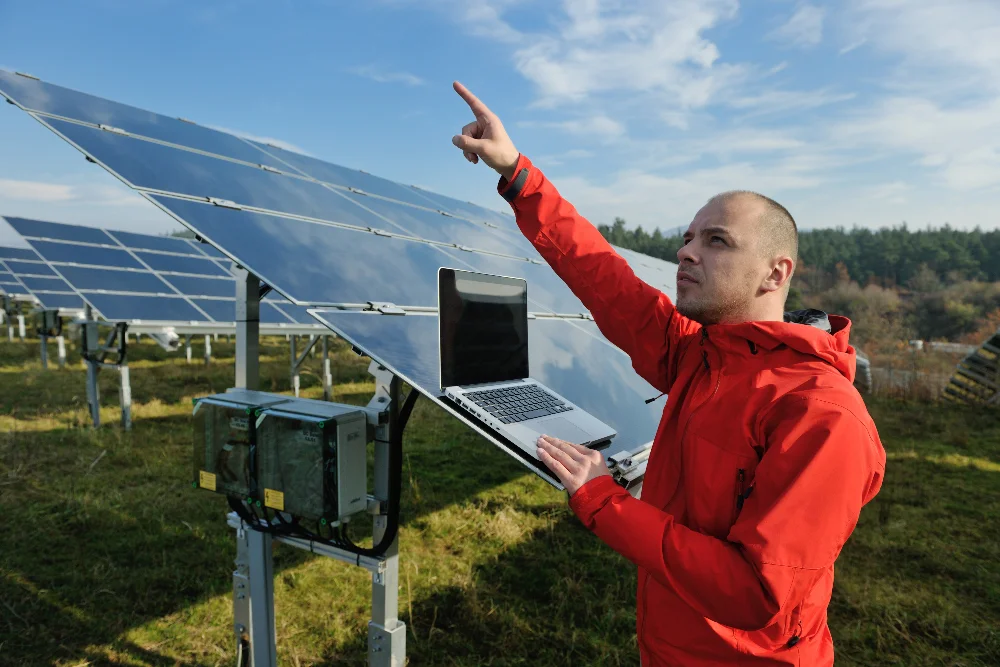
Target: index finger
x=478, y=108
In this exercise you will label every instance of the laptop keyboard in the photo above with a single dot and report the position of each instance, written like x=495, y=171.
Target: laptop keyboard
x=510, y=405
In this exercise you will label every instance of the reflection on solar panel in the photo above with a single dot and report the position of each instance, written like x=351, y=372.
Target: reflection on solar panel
x=129, y=277
x=24, y=275
x=325, y=235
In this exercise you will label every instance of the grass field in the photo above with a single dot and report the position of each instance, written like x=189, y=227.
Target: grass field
x=109, y=557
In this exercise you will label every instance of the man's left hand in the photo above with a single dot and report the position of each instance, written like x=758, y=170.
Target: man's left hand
x=573, y=465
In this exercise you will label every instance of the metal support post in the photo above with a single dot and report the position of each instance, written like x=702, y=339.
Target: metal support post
x=61, y=342
x=327, y=377
x=187, y=347
x=260, y=570
x=125, y=396
x=386, y=633
x=90, y=345
x=20, y=326
x=208, y=349
x=45, y=352
x=295, y=366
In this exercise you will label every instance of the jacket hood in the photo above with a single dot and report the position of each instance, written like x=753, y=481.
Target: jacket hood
x=810, y=331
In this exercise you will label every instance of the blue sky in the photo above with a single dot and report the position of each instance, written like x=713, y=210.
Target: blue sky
x=860, y=112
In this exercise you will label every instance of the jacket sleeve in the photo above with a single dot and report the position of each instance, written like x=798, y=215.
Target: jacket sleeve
x=636, y=317
x=820, y=466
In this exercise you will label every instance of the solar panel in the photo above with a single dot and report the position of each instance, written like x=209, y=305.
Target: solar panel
x=17, y=253
x=192, y=286
x=126, y=308
x=651, y=270
x=161, y=243
x=568, y=356
x=156, y=167
x=68, y=253
x=35, y=268
x=332, y=235
x=50, y=99
x=59, y=232
x=54, y=284
x=179, y=264
x=91, y=270
x=59, y=301
x=113, y=280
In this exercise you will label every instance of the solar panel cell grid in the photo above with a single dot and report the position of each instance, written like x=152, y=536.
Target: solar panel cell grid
x=124, y=308
x=177, y=264
x=69, y=253
x=46, y=284
x=55, y=230
x=28, y=268
x=149, y=242
x=114, y=281
x=17, y=253
x=60, y=101
x=203, y=286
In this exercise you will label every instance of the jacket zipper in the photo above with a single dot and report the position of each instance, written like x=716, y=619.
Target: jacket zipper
x=739, y=488
x=715, y=390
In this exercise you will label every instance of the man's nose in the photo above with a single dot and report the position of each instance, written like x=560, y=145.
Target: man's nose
x=686, y=254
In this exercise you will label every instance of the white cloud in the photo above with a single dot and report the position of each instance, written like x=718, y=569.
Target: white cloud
x=35, y=191
x=803, y=28
x=280, y=143
x=856, y=44
x=599, y=127
x=380, y=75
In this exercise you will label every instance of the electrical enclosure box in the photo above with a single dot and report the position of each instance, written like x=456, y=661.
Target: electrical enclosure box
x=298, y=456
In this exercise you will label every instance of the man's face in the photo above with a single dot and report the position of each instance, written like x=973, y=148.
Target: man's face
x=721, y=267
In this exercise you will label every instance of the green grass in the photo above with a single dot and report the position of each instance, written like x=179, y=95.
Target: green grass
x=109, y=557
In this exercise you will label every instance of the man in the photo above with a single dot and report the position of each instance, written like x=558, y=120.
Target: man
x=765, y=453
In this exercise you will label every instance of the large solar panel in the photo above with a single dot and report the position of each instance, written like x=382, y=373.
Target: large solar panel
x=569, y=356
x=326, y=235
x=129, y=277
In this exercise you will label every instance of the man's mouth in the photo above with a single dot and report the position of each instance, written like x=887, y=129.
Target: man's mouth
x=685, y=278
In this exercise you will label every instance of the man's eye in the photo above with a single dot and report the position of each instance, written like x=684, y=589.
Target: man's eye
x=719, y=239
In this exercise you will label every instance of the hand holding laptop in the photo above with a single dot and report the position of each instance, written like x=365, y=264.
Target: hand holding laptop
x=573, y=465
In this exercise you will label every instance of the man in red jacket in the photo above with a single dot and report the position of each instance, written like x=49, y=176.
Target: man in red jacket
x=765, y=453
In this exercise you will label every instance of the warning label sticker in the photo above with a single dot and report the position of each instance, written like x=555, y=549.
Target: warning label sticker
x=206, y=480
x=274, y=499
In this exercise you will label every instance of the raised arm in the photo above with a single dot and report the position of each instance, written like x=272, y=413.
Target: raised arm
x=636, y=317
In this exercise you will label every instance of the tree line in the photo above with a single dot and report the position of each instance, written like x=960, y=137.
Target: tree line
x=887, y=257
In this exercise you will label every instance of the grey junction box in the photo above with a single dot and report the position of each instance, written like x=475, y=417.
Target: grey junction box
x=299, y=456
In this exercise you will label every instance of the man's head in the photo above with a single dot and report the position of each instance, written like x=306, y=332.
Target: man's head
x=737, y=260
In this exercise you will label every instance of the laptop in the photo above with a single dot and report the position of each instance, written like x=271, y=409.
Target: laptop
x=483, y=345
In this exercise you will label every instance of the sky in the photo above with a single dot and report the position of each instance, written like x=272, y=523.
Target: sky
x=853, y=113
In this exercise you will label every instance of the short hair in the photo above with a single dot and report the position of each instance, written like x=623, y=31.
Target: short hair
x=780, y=234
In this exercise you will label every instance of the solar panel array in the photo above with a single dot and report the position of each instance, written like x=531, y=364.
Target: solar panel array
x=139, y=277
x=977, y=377
x=325, y=235
x=23, y=273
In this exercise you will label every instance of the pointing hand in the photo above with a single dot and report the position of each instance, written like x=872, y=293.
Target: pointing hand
x=485, y=138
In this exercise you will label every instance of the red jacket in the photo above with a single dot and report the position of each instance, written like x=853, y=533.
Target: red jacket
x=762, y=461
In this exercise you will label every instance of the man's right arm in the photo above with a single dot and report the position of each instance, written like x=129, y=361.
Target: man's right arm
x=639, y=319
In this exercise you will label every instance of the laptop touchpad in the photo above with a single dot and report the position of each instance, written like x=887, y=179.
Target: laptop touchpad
x=560, y=428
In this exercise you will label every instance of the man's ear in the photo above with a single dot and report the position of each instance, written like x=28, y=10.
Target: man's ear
x=780, y=275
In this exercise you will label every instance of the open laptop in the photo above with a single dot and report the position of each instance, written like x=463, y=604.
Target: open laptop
x=483, y=338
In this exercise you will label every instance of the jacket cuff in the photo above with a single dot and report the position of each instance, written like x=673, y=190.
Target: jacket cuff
x=510, y=190
x=592, y=496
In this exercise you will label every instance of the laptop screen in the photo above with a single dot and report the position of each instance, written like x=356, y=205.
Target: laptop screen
x=483, y=324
